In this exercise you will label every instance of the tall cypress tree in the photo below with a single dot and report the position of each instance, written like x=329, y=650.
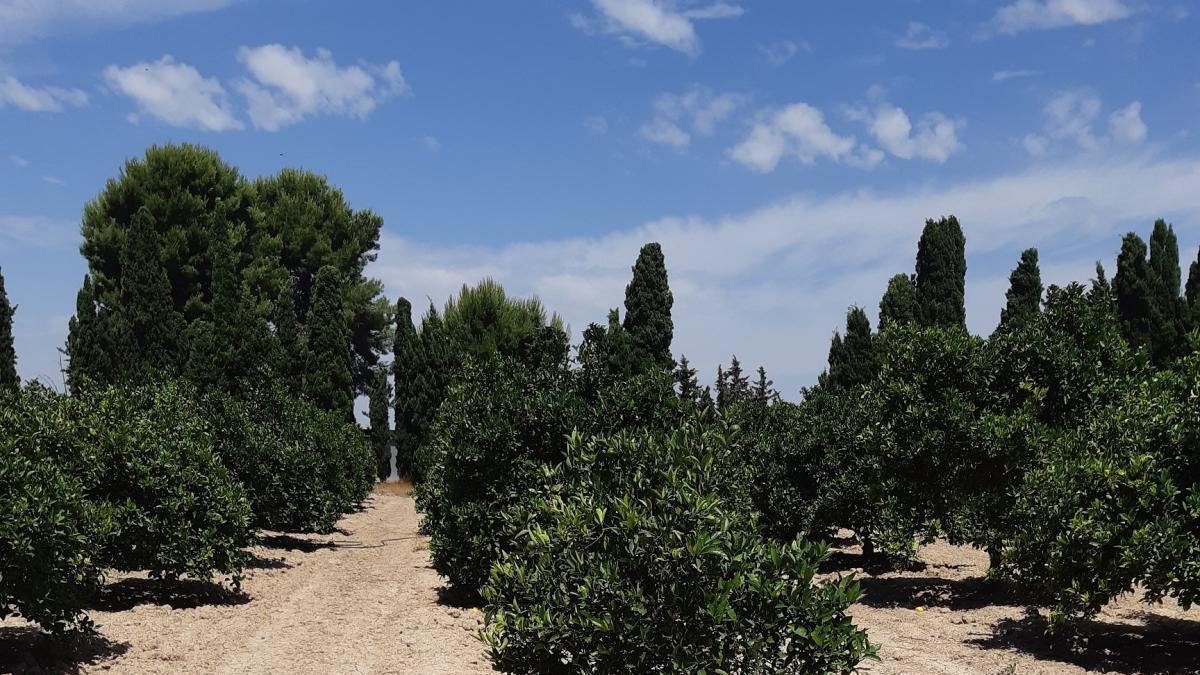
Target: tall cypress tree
x=242, y=340
x=942, y=274
x=327, y=380
x=439, y=366
x=147, y=309
x=9, y=381
x=381, y=435
x=1192, y=294
x=899, y=304
x=410, y=377
x=685, y=377
x=764, y=392
x=836, y=363
x=1024, y=296
x=1133, y=289
x=648, y=302
x=290, y=357
x=1167, y=337
x=852, y=360
x=87, y=358
x=737, y=387
x=722, y=400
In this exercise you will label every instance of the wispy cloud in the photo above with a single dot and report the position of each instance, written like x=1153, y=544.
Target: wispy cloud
x=15, y=93
x=934, y=137
x=800, y=131
x=285, y=86
x=174, y=93
x=1024, y=15
x=663, y=22
x=771, y=284
x=1071, y=116
x=596, y=125
x=54, y=180
x=1005, y=75
x=780, y=52
x=28, y=20
x=699, y=108
x=921, y=36
x=19, y=161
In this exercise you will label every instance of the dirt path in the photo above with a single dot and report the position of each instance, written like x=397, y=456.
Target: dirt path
x=362, y=601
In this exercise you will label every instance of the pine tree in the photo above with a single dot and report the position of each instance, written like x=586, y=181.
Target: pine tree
x=685, y=377
x=1192, y=294
x=87, y=358
x=381, y=435
x=899, y=304
x=327, y=380
x=1024, y=296
x=722, y=400
x=941, y=274
x=764, y=392
x=410, y=377
x=1167, y=336
x=147, y=307
x=290, y=356
x=1133, y=290
x=9, y=380
x=648, y=302
x=737, y=388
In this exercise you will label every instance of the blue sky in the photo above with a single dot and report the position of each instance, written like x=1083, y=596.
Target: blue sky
x=785, y=154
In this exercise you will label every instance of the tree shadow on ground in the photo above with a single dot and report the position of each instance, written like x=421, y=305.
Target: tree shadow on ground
x=25, y=649
x=913, y=592
x=1157, y=645
x=178, y=594
x=291, y=543
x=259, y=562
x=448, y=596
x=842, y=560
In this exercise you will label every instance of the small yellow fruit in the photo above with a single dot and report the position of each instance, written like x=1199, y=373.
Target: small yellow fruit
x=920, y=609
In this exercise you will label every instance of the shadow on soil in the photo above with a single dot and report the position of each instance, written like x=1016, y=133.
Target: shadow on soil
x=1157, y=645
x=25, y=649
x=179, y=594
x=458, y=599
x=258, y=562
x=290, y=543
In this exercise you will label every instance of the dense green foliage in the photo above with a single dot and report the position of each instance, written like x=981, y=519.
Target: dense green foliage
x=1024, y=297
x=899, y=303
x=327, y=377
x=411, y=380
x=940, y=283
x=9, y=381
x=852, y=360
x=379, y=429
x=635, y=554
x=648, y=302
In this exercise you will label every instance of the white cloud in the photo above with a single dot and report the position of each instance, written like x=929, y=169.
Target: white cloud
x=666, y=133
x=26, y=20
x=771, y=284
x=798, y=130
x=15, y=93
x=285, y=86
x=779, y=53
x=1126, y=125
x=596, y=125
x=935, y=136
x=1071, y=115
x=54, y=180
x=1025, y=15
x=921, y=36
x=19, y=161
x=1004, y=75
x=174, y=93
x=669, y=23
x=699, y=108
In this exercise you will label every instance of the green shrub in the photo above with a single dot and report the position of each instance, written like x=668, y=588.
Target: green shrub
x=47, y=573
x=638, y=554
x=302, y=467
x=1115, y=503
x=499, y=423
x=144, y=456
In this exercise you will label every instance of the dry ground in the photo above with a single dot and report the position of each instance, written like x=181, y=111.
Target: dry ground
x=365, y=601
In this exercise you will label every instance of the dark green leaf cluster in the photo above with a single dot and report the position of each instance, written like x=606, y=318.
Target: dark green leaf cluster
x=636, y=555
x=940, y=283
x=9, y=381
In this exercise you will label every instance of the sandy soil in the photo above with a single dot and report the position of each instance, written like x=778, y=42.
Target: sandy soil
x=360, y=601
x=365, y=601
x=945, y=619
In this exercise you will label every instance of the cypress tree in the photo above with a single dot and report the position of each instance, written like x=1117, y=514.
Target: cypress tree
x=942, y=274
x=439, y=366
x=1024, y=296
x=410, y=377
x=201, y=365
x=852, y=359
x=899, y=304
x=290, y=357
x=327, y=380
x=648, y=302
x=147, y=308
x=1192, y=294
x=607, y=354
x=9, y=380
x=722, y=400
x=764, y=392
x=737, y=390
x=1167, y=336
x=381, y=435
x=685, y=377
x=1133, y=291
x=241, y=338
x=87, y=358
